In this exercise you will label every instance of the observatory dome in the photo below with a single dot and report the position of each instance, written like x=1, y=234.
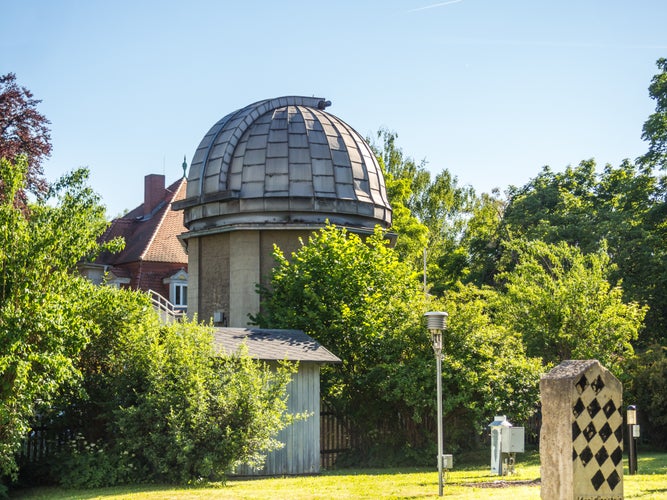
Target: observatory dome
x=284, y=162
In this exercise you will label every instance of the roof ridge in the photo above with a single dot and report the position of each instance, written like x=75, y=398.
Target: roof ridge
x=167, y=200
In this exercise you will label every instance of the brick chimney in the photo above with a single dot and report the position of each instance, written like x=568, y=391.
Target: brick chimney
x=153, y=192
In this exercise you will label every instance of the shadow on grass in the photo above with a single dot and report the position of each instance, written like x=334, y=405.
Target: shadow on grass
x=465, y=461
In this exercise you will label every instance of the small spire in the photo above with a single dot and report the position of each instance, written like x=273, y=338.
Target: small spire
x=185, y=166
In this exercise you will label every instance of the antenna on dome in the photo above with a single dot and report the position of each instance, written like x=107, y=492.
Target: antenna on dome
x=185, y=167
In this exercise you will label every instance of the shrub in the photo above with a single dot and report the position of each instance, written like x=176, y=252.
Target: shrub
x=156, y=403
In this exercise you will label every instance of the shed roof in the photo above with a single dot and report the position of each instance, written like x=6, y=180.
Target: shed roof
x=273, y=344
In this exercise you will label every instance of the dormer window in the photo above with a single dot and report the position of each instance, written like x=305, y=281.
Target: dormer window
x=178, y=289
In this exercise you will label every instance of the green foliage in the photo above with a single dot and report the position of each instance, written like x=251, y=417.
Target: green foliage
x=564, y=306
x=362, y=303
x=556, y=206
x=428, y=214
x=42, y=328
x=655, y=127
x=645, y=385
x=473, y=258
x=402, y=178
x=401, y=167
x=412, y=235
x=623, y=206
x=156, y=403
x=485, y=366
x=198, y=417
x=85, y=464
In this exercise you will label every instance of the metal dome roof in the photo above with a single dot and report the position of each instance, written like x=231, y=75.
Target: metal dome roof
x=284, y=161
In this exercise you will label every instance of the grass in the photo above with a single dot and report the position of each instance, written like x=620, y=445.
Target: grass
x=464, y=482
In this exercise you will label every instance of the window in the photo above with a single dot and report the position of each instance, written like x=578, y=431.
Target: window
x=178, y=289
x=180, y=294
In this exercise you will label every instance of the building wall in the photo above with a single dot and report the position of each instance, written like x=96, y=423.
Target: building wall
x=193, y=276
x=151, y=276
x=225, y=268
x=287, y=241
x=301, y=453
x=213, y=274
x=244, y=268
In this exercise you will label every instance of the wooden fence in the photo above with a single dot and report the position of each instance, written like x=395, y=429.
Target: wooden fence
x=42, y=442
x=336, y=437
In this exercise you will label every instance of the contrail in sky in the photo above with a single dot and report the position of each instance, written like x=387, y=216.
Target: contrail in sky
x=433, y=6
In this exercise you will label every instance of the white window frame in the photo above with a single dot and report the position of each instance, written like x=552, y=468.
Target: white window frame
x=179, y=289
x=178, y=280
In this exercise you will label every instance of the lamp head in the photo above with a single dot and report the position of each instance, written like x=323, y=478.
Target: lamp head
x=436, y=320
x=632, y=415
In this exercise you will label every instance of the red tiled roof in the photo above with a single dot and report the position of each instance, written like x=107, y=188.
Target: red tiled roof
x=152, y=238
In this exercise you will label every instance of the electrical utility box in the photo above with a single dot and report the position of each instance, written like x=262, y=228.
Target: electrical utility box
x=506, y=442
x=512, y=440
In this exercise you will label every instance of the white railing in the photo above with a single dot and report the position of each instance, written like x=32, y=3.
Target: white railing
x=168, y=312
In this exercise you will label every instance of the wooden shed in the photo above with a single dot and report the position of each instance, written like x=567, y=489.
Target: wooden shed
x=301, y=453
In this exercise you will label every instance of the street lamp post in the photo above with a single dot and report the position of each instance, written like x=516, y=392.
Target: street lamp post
x=631, y=417
x=436, y=322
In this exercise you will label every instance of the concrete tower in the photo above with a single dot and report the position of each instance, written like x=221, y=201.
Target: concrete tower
x=272, y=172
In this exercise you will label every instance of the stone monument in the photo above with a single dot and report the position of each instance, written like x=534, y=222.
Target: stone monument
x=581, y=439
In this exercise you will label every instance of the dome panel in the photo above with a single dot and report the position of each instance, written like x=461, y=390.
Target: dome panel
x=287, y=149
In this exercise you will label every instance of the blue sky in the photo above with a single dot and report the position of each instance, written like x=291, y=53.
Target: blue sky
x=491, y=90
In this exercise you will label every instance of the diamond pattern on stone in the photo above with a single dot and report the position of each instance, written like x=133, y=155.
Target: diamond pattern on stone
x=601, y=456
x=613, y=480
x=585, y=456
x=597, y=385
x=593, y=408
x=598, y=480
x=581, y=384
x=618, y=433
x=590, y=432
x=609, y=408
x=605, y=432
x=597, y=434
x=617, y=456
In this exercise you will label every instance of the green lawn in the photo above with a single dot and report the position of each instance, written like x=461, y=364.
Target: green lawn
x=465, y=482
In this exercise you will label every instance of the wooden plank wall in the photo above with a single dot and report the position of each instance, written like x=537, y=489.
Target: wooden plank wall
x=301, y=453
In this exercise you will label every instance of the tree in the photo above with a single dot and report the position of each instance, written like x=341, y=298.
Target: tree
x=622, y=206
x=563, y=305
x=395, y=163
x=23, y=131
x=481, y=245
x=655, y=132
x=645, y=385
x=486, y=369
x=556, y=206
x=655, y=127
x=156, y=402
x=429, y=215
x=361, y=302
x=401, y=177
x=41, y=297
x=199, y=415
